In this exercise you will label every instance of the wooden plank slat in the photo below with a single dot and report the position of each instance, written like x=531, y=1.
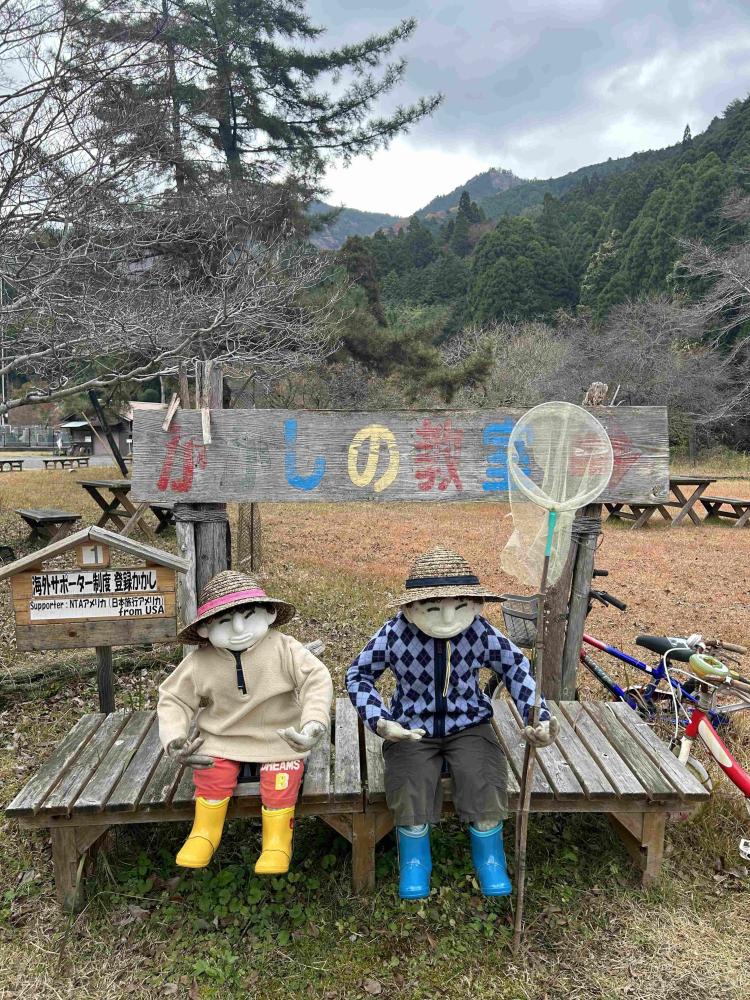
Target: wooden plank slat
x=588, y=772
x=93, y=797
x=347, y=779
x=514, y=745
x=133, y=782
x=158, y=792
x=62, y=798
x=31, y=797
x=656, y=784
x=557, y=770
x=318, y=769
x=375, y=764
x=327, y=455
x=184, y=794
x=624, y=782
x=686, y=784
x=83, y=634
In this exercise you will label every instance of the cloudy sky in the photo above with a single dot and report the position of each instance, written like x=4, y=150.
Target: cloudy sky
x=541, y=87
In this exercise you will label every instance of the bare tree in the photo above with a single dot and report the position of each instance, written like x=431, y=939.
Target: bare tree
x=104, y=279
x=128, y=292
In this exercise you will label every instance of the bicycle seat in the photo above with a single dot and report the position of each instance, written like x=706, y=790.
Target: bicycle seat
x=661, y=643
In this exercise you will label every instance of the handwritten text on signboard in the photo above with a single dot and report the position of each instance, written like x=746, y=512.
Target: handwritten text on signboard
x=332, y=456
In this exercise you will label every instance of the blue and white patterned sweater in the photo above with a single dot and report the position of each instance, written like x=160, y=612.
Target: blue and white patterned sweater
x=437, y=680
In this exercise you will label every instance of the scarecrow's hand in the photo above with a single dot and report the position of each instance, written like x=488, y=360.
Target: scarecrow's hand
x=304, y=740
x=393, y=731
x=543, y=733
x=184, y=752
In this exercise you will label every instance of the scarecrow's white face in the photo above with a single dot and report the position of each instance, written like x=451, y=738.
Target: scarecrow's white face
x=443, y=617
x=238, y=628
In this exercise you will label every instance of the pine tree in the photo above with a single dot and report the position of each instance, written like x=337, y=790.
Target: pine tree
x=687, y=136
x=246, y=78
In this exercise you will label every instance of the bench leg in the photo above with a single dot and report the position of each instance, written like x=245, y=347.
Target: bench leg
x=66, y=857
x=643, y=836
x=363, y=852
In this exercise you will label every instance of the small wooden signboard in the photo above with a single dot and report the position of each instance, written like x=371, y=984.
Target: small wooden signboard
x=93, y=604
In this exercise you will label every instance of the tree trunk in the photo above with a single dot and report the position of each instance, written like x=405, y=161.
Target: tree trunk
x=579, y=600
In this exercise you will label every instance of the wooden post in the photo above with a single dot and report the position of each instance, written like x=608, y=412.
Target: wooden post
x=579, y=598
x=557, y=620
x=108, y=433
x=212, y=543
x=105, y=679
x=187, y=596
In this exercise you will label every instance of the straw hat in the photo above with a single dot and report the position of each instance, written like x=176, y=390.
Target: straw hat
x=232, y=590
x=441, y=573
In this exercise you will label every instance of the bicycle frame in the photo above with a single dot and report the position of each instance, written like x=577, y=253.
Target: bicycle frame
x=700, y=726
x=657, y=674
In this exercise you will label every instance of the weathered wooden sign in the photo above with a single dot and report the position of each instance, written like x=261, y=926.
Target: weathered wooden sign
x=331, y=455
x=93, y=604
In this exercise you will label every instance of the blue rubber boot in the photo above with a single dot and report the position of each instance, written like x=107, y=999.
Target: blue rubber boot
x=414, y=861
x=488, y=855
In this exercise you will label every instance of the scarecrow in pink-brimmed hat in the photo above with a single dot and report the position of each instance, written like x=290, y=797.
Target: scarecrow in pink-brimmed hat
x=248, y=694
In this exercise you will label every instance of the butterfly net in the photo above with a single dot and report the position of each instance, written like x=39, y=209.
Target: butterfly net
x=559, y=459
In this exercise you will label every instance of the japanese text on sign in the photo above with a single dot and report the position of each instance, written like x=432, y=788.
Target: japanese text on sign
x=115, y=581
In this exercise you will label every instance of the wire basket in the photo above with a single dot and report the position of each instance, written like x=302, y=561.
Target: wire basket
x=520, y=615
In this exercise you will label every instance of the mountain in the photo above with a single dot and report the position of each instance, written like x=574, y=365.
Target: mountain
x=348, y=222
x=486, y=185
x=590, y=239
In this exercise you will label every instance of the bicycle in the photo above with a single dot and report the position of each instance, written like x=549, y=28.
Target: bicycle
x=650, y=699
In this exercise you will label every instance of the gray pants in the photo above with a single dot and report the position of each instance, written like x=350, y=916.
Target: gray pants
x=479, y=777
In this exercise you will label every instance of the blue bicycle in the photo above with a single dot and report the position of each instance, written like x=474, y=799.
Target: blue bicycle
x=663, y=696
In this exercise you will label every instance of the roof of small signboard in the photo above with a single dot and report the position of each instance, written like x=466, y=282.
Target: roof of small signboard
x=94, y=534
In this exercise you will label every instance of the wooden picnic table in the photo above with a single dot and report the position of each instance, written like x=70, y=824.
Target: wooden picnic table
x=48, y=523
x=121, y=511
x=641, y=513
x=11, y=464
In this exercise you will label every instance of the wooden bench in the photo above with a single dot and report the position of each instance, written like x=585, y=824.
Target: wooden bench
x=737, y=510
x=11, y=464
x=639, y=513
x=66, y=463
x=110, y=770
x=48, y=523
x=605, y=760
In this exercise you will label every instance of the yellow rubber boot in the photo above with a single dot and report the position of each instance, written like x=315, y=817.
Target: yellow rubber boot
x=278, y=830
x=205, y=836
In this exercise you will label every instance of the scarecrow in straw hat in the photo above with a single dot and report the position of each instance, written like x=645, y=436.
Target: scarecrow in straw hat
x=263, y=695
x=435, y=646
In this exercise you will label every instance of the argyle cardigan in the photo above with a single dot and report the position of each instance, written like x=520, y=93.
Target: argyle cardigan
x=425, y=698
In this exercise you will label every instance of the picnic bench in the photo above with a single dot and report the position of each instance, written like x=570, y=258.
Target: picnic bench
x=11, y=465
x=605, y=760
x=48, y=523
x=121, y=511
x=110, y=770
x=65, y=462
x=641, y=513
x=730, y=507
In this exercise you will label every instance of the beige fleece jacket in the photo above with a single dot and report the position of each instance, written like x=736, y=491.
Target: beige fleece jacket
x=286, y=686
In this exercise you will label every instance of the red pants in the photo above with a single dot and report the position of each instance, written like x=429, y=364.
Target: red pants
x=279, y=783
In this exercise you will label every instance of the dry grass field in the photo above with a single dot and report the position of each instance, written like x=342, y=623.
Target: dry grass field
x=593, y=931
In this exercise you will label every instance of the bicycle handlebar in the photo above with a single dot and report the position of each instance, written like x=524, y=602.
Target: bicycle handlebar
x=600, y=572
x=731, y=647
x=605, y=598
